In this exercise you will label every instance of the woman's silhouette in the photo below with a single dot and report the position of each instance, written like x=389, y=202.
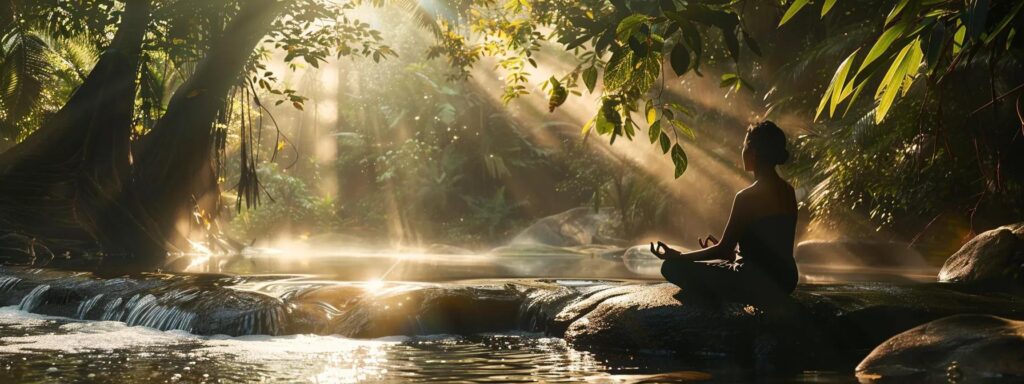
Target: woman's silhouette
x=762, y=224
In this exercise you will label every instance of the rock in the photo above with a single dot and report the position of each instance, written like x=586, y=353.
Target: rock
x=991, y=256
x=960, y=348
x=431, y=310
x=825, y=324
x=575, y=227
x=649, y=317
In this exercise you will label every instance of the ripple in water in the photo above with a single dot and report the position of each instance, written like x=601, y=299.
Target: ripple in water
x=35, y=348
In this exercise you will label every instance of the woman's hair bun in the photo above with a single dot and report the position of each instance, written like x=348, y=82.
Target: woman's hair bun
x=768, y=142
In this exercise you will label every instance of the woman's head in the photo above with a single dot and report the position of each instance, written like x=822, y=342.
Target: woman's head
x=765, y=145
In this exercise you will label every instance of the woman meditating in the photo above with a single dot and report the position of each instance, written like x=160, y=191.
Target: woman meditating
x=762, y=224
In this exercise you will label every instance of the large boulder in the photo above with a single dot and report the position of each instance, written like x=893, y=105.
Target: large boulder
x=961, y=348
x=991, y=256
x=575, y=227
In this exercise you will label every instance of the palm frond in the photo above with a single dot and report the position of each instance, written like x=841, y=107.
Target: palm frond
x=25, y=69
x=424, y=18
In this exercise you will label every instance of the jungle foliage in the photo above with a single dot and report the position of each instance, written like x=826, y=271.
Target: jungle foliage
x=129, y=116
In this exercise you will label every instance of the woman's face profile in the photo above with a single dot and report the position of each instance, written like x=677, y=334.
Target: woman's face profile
x=748, y=156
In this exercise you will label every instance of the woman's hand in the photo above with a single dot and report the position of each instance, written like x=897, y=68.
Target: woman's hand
x=664, y=252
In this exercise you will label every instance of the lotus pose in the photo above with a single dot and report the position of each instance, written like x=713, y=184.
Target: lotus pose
x=762, y=224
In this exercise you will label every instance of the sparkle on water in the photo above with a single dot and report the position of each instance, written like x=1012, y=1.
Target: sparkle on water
x=51, y=349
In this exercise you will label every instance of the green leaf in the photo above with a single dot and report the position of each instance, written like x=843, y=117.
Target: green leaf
x=654, y=131
x=682, y=127
x=680, y=59
x=629, y=25
x=619, y=70
x=554, y=82
x=856, y=92
x=914, y=59
x=882, y=44
x=958, y=39
x=793, y=9
x=680, y=108
x=842, y=89
x=589, y=125
x=891, y=77
x=837, y=79
x=895, y=77
x=665, y=142
x=647, y=72
x=590, y=78
x=827, y=6
x=896, y=11
x=602, y=124
x=679, y=159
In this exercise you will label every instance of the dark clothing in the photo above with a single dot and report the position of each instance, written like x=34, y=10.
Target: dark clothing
x=765, y=273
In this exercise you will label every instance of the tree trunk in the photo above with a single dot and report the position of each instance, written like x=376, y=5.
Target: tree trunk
x=177, y=155
x=76, y=185
x=63, y=179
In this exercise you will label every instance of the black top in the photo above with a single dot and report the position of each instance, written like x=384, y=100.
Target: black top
x=768, y=245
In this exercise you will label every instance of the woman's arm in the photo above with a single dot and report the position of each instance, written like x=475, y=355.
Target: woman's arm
x=724, y=249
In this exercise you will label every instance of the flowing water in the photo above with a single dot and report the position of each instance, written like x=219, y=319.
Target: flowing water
x=35, y=348
x=72, y=327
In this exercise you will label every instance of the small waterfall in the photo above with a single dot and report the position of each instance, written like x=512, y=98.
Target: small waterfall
x=8, y=282
x=33, y=299
x=147, y=311
x=113, y=310
x=86, y=306
x=262, y=322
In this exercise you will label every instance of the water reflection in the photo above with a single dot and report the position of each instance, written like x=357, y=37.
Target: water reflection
x=36, y=348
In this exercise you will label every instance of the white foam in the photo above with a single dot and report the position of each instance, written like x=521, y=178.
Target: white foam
x=80, y=336
x=12, y=317
x=91, y=336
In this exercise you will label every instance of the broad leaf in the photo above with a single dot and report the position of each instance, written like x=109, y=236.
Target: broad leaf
x=629, y=25
x=680, y=59
x=679, y=160
x=654, y=131
x=590, y=78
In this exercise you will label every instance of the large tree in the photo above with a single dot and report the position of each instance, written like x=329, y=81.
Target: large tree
x=90, y=189
x=85, y=190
